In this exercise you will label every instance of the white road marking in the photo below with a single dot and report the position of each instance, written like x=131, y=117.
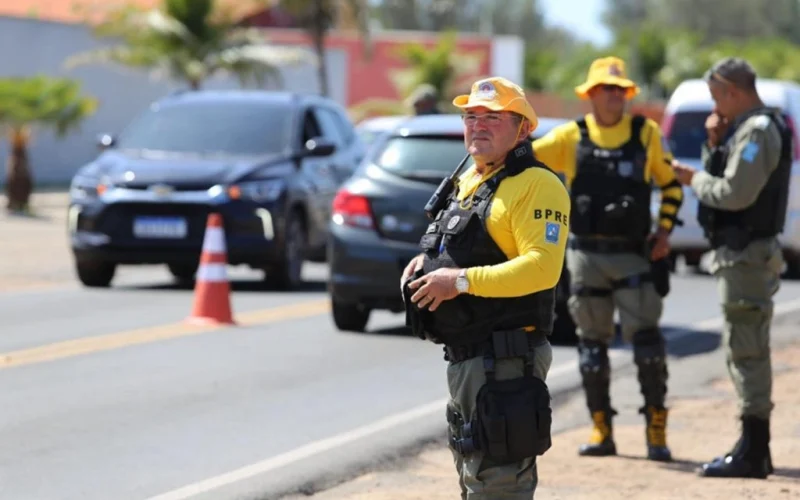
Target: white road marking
x=426, y=410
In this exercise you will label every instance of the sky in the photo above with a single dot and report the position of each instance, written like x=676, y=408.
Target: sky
x=581, y=17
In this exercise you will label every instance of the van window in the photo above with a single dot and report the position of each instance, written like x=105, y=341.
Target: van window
x=688, y=133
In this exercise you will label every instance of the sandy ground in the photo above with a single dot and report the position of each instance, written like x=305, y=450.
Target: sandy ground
x=698, y=430
x=35, y=252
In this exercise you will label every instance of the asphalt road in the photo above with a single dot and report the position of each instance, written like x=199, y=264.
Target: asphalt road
x=107, y=394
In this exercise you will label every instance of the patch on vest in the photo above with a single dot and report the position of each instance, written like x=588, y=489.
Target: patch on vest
x=453, y=221
x=551, y=232
x=625, y=168
x=761, y=122
x=750, y=151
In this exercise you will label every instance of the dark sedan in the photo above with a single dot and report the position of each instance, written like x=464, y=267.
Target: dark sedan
x=270, y=163
x=378, y=217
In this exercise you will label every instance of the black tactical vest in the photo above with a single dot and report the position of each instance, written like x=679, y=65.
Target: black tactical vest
x=610, y=195
x=766, y=217
x=458, y=238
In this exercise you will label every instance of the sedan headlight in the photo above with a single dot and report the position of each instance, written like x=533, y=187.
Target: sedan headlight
x=258, y=191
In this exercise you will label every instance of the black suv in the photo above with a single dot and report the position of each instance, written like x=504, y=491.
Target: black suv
x=269, y=162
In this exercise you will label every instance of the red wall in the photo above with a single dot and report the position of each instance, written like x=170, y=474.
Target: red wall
x=370, y=78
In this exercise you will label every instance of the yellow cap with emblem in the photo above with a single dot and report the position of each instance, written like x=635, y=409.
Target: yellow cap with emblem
x=498, y=94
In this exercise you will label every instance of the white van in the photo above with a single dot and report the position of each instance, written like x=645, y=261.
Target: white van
x=683, y=127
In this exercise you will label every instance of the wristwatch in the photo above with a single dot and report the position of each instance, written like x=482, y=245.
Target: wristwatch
x=462, y=285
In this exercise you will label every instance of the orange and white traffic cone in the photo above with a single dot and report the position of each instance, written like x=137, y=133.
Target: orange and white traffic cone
x=212, y=290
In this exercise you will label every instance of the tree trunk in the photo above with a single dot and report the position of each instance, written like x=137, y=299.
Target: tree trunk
x=19, y=183
x=318, y=27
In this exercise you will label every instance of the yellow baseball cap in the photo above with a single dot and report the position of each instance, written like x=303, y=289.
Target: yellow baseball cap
x=607, y=71
x=498, y=94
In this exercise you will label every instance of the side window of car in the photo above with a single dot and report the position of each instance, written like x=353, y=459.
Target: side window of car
x=330, y=125
x=311, y=128
x=346, y=127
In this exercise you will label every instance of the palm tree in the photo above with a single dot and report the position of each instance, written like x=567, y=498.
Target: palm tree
x=318, y=17
x=53, y=103
x=189, y=41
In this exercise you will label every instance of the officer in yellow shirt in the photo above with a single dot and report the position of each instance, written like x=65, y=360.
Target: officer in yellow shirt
x=609, y=159
x=485, y=288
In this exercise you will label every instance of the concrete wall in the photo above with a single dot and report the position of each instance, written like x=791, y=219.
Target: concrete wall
x=28, y=47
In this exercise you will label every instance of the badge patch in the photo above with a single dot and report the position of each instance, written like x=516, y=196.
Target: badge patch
x=551, y=232
x=453, y=222
x=486, y=90
x=625, y=168
x=750, y=151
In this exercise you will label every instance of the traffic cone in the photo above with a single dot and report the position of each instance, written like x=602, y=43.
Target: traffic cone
x=212, y=290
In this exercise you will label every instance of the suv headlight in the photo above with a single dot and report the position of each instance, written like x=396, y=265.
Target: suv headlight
x=259, y=191
x=83, y=188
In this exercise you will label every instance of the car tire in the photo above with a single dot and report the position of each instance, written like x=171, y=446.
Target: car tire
x=287, y=275
x=95, y=274
x=350, y=317
x=564, y=329
x=183, y=273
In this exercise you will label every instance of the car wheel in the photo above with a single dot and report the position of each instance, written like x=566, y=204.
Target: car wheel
x=564, y=329
x=350, y=317
x=288, y=274
x=183, y=273
x=95, y=274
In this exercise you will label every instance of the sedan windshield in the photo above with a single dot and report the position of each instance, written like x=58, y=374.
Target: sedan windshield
x=235, y=128
x=421, y=157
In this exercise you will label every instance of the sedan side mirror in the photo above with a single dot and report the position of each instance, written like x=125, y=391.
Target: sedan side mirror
x=319, y=146
x=105, y=141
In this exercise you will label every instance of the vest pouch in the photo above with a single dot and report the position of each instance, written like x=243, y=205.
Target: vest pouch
x=581, y=217
x=514, y=419
x=620, y=218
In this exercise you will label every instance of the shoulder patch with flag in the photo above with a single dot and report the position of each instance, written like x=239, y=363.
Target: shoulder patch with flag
x=552, y=231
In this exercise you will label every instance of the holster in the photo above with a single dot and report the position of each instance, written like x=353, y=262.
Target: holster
x=660, y=271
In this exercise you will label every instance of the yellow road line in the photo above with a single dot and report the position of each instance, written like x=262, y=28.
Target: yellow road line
x=88, y=345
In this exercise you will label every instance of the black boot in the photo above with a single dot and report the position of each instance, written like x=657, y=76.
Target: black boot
x=596, y=376
x=750, y=458
x=656, y=434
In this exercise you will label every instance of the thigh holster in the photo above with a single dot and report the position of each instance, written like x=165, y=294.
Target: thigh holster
x=513, y=418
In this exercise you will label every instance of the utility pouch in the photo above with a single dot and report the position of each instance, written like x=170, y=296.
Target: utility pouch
x=514, y=419
x=416, y=317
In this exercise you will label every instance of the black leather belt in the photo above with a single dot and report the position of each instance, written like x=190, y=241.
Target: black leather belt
x=458, y=353
x=601, y=245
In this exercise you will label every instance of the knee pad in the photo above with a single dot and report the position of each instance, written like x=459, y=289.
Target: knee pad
x=593, y=357
x=595, y=374
x=650, y=356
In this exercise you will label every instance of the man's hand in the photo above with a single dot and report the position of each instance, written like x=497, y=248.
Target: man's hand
x=411, y=268
x=660, y=240
x=434, y=288
x=684, y=173
x=716, y=126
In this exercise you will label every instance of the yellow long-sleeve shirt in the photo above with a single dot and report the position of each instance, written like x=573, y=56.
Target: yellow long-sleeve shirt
x=528, y=221
x=558, y=150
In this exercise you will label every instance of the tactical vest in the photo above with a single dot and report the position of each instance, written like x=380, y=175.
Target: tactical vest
x=458, y=238
x=610, y=194
x=763, y=219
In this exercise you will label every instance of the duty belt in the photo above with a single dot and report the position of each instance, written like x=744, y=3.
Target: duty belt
x=737, y=238
x=503, y=344
x=602, y=245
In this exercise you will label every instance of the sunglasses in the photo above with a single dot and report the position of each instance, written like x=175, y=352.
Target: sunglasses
x=607, y=87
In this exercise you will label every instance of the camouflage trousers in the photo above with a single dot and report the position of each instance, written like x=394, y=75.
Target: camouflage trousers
x=747, y=281
x=479, y=477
